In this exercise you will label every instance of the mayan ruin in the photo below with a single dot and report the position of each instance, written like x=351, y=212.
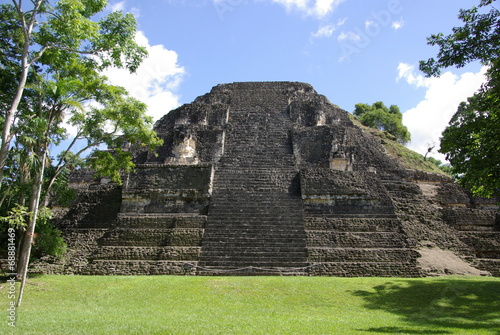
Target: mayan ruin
x=270, y=178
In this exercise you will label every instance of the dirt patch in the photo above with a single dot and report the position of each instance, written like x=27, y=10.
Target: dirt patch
x=429, y=189
x=438, y=262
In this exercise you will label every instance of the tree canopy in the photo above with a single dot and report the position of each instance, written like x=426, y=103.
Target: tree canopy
x=380, y=117
x=53, y=91
x=471, y=142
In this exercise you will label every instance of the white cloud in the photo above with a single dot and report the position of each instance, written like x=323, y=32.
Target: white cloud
x=155, y=81
x=427, y=120
x=370, y=23
x=324, y=31
x=316, y=8
x=117, y=6
x=396, y=25
x=122, y=6
x=406, y=72
x=324, y=7
x=348, y=36
x=327, y=30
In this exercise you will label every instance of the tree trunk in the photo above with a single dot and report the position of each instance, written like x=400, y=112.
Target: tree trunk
x=25, y=251
x=9, y=119
x=25, y=65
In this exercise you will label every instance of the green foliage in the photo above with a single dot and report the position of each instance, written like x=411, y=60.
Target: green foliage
x=65, y=83
x=18, y=215
x=52, y=55
x=111, y=163
x=258, y=305
x=48, y=240
x=69, y=32
x=477, y=39
x=15, y=217
x=380, y=117
x=444, y=167
x=471, y=141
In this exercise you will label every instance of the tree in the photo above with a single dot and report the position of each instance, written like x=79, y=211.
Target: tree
x=58, y=52
x=380, y=117
x=471, y=141
x=48, y=37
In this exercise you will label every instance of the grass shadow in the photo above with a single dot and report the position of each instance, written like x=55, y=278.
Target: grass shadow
x=439, y=306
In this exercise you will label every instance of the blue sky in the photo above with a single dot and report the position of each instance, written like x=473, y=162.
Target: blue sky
x=351, y=51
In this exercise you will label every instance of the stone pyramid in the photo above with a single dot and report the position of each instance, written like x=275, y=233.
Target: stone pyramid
x=270, y=178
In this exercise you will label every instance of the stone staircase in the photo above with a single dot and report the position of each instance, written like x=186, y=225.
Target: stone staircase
x=362, y=244
x=160, y=224
x=255, y=223
x=149, y=244
x=423, y=220
x=477, y=229
x=351, y=226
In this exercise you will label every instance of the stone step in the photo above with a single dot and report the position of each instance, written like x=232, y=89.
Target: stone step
x=268, y=200
x=249, y=245
x=348, y=209
x=318, y=254
x=282, y=147
x=273, y=249
x=354, y=216
x=250, y=271
x=233, y=222
x=254, y=234
x=255, y=246
x=248, y=162
x=269, y=206
x=234, y=245
x=366, y=269
x=235, y=226
x=252, y=229
x=222, y=212
x=139, y=267
x=265, y=264
x=161, y=221
x=249, y=220
x=147, y=253
x=488, y=264
x=356, y=224
x=236, y=223
x=485, y=244
x=476, y=227
x=270, y=186
x=256, y=174
x=256, y=186
x=252, y=163
x=319, y=238
x=153, y=237
x=249, y=170
x=281, y=153
x=256, y=260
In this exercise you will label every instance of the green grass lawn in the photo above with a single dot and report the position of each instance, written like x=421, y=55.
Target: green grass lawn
x=255, y=305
